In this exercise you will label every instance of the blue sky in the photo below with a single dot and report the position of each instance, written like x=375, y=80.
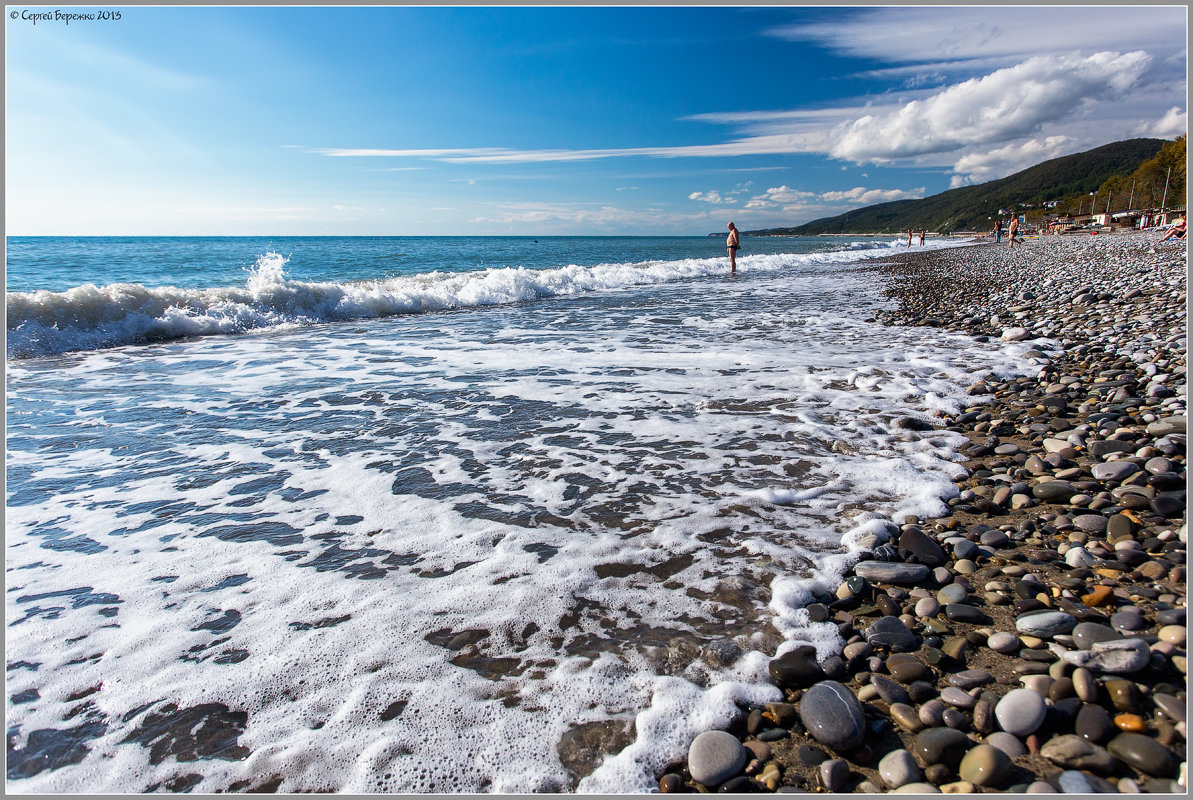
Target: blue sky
x=540, y=121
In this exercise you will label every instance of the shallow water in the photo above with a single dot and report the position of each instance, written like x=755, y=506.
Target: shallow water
x=467, y=550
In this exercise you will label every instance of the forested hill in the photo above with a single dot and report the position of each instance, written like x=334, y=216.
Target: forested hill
x=972, y=207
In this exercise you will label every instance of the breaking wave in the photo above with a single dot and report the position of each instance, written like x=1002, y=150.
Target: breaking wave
x=90, y=317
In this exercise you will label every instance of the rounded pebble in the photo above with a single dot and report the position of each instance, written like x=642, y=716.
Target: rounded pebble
x=715, y=756
x=1020, y=711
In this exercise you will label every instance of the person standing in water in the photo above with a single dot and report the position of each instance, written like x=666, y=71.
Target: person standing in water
x=922, y=234
x=734, y=244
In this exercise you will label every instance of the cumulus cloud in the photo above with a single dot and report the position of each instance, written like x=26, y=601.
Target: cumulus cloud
x=985, y=165
x=860, y=194
x=1174, y=123
x=711, y=197
x=788, y=199
x=998, y=107
x=777, y=196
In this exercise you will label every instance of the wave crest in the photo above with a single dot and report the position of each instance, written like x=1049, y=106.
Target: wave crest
x=90, y=317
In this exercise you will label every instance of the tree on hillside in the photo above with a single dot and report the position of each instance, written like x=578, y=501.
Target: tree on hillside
x=1113, y=194
x=1167, y=166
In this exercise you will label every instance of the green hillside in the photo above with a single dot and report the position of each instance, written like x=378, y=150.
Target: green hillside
x=972, y=207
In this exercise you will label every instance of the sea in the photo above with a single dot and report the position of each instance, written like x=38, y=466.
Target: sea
x=439, y=514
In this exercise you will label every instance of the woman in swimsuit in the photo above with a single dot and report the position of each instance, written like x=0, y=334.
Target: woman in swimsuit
x=1177, y=231
x=734, y=244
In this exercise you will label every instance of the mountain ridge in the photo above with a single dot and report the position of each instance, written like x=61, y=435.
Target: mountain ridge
x=974, y=207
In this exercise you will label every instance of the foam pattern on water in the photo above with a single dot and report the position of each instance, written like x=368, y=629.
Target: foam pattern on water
x=88, y=317
x=417, y=554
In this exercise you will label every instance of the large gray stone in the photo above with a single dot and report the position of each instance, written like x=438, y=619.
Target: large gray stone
x=796, y=668
x=1020, y=712
x=1144, y=753
x=898, y=768
x=941, y=746
x=891, y=572
x=1045, y=624
x=917, y=546
x=1103, y=447
x=1007, y=743
x=892, y=634
x=714, y=757
x=1118, y=657
x=833, y=715
x=834, y=773
x=1054, y=491
x=1113, y=471
x=1166, y=426
x=1074, y=752
x=1087, y=634
x=1090, y=523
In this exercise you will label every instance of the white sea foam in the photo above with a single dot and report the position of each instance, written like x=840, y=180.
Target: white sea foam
x=89, y=317
x=416, y=553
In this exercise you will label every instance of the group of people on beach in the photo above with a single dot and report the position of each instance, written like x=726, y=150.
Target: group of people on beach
x=733, y=243
x=1012, y=232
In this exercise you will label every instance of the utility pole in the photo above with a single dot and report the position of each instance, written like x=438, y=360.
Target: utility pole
x=1131, y=202
x=1164, y=202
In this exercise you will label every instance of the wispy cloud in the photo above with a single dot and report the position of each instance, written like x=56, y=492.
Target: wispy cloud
x=753, y=145
x=963, y=38
x=564, y=217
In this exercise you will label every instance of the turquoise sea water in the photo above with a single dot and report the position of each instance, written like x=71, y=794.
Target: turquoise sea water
x=87, y=293
x=61, y=263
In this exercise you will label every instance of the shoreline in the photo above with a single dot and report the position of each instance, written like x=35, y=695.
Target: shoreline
x=1032, y=639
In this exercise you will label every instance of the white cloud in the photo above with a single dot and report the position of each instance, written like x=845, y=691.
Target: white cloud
x=1173, y=124
x=782, y=143
x=984, y=165
x=959, y=38
x=780, y=196
x=1024, y=100
x=998, y=107
x=711, y=197
x=788, y=200
x=1106, y=69
x=860, y=194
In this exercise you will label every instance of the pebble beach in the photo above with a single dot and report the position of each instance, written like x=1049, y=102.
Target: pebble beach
x=1032, y=639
